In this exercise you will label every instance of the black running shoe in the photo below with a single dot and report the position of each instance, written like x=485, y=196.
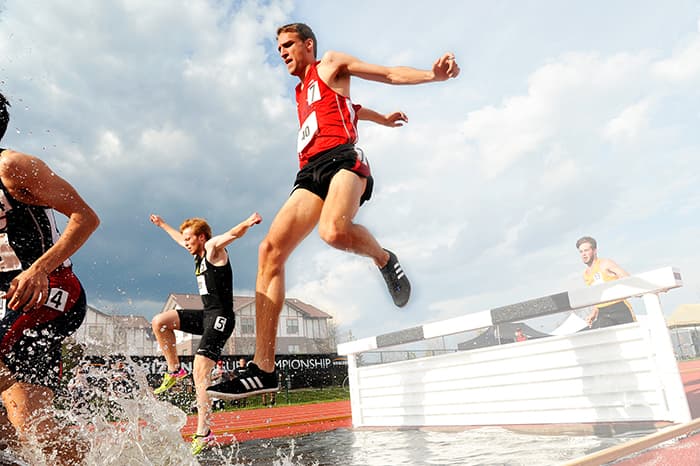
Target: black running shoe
x=253, y=382
x=396, y=280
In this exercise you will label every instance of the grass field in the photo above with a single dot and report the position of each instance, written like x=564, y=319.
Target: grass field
x=293, y=397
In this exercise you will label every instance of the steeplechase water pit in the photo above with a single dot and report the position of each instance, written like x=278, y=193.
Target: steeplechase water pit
x=417, y=399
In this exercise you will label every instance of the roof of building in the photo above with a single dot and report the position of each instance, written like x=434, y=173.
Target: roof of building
x=308, y=309
x=685, y=315
x=132, y=321
x=193, y=301
x=97, y=311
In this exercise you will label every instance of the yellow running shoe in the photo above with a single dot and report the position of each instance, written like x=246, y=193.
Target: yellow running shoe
x=169, y=379
x=200, y=442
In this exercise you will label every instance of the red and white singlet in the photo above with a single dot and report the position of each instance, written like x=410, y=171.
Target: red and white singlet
x=326, y=118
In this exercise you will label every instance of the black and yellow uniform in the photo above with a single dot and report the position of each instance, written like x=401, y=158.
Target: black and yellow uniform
x=612, y=312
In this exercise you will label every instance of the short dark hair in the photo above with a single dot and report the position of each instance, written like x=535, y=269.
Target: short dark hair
x=4, y=115
x=586, y=239
x=303, y=30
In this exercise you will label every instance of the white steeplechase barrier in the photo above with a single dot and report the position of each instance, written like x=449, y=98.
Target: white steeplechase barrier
x=624, y=373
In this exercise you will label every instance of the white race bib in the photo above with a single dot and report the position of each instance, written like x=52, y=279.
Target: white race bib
x=202, y=285
x=8, y=258
x=57, y=299
x=307, y=132
x=3, y=303
x=313, y=93
x=220, y=323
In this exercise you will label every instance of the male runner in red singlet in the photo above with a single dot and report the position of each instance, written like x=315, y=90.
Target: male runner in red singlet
x=599, y=270
x=42, y=300
x=333, y=181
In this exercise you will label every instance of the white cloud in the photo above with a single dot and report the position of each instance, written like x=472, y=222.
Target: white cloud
x=564, y=96
x=630, y=123
x=165, y=145
x=109, y=147
x=683, y=65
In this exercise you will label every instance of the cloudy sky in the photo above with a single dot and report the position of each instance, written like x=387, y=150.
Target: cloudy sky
x=568, y=119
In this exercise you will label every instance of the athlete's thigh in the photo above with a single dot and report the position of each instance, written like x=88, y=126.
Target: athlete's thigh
x=22, y=400
x=8, y=433
x=6, y=379
x=343, y=200
x=189, y=321
x=294, y=221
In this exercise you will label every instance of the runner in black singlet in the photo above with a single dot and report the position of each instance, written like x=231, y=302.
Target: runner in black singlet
x=42, y=300
x=215, y=322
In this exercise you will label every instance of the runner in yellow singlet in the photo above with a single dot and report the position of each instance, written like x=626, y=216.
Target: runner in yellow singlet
x=599, y=270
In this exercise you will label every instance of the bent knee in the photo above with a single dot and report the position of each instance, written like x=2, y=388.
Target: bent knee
x=158, y=324
x=334, y=236
x=270, y=254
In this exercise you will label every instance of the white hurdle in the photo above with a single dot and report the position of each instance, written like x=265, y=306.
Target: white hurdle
x=625, y=373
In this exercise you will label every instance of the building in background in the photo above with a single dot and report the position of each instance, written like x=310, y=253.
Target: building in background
x=684, y=325
x=303, y=328
x=103, y=333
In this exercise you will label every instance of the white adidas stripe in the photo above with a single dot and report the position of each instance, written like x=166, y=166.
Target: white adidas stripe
x=251, y=383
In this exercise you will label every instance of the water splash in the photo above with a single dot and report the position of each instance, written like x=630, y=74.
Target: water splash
x=121, y=421
x=109, y=408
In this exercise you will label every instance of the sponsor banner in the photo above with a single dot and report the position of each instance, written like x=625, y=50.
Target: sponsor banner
x=295, y=370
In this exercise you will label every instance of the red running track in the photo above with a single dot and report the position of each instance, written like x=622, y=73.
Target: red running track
x=683, y=452
x=279, y=421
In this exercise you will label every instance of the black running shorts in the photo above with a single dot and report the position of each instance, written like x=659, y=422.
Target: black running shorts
x=317, y=174
x=615, y=314
x=215, y=327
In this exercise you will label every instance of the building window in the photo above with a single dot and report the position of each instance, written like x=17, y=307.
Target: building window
x=292, y=326
x=293, y=349
x=247, y=326
x=120, y=338
x=96, y=332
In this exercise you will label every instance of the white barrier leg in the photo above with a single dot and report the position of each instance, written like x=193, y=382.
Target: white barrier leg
x=670, y=377
x=355, y=401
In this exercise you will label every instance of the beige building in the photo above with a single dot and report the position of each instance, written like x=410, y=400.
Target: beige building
x=684, y=325
x=103, y=333
x=303, y=328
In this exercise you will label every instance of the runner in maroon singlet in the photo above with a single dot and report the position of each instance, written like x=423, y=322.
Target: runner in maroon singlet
x=42, y=300
x=334, y=179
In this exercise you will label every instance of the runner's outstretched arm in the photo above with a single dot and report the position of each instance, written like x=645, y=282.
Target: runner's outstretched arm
x=158, y=221
x=392, y=120
x=346, y=65
x=44, y=187
x=217, y=243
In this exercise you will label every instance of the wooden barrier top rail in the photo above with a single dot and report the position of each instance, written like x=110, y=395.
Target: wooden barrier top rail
x=654, y=281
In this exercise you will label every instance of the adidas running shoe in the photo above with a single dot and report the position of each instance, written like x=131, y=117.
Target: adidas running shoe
x=253, y=382
x=170, y=379
x=396, y=280
x=200, y=442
